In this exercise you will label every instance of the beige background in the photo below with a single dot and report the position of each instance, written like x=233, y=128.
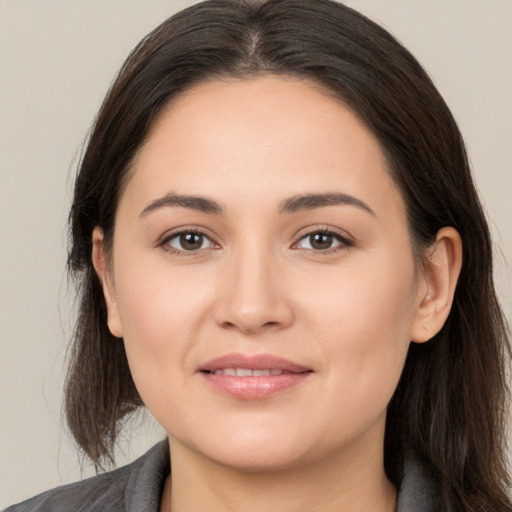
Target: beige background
x=57, y=59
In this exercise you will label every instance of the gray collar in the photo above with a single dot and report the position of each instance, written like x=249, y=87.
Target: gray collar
x=138, y=487
x=417, y=492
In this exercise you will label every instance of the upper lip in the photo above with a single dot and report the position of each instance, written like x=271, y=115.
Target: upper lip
x=254, y=362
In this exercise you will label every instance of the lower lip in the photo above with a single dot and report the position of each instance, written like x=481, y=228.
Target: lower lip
x=254, y=388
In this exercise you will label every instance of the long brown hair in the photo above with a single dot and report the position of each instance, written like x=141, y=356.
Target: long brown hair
x=450, y=404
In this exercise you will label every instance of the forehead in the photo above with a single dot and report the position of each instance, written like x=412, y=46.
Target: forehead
x=251, y=136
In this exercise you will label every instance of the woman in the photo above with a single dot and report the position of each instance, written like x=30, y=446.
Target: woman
x=282, y=255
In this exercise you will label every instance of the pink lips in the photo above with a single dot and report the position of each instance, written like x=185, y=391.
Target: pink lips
x=252, y=377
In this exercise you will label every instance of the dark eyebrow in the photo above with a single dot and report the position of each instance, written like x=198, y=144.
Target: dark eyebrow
x=311, y=201
x=199, y=203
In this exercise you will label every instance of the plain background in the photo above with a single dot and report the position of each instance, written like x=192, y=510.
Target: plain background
x=57, y=59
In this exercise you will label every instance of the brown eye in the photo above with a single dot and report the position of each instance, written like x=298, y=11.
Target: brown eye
x=322, y=241
x=189, y=241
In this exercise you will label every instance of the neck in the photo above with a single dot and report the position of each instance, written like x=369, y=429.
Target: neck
x=350, y=482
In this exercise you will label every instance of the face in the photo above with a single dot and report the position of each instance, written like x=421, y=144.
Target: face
x=262, y=276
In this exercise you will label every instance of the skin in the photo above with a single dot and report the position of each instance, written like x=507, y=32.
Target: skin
x=347, y=312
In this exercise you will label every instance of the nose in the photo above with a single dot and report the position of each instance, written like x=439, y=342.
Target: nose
x=252, y=295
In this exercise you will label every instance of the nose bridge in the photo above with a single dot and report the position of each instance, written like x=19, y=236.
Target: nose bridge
x=254, y=293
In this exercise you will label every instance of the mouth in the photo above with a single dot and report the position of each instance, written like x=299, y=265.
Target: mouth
x=248, y=372
x=252, y=377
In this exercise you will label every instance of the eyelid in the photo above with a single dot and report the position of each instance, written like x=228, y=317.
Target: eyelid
x=346, y=240
x=163, y=241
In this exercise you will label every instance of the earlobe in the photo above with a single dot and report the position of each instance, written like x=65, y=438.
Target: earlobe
x=439, y=280
x=101, y=265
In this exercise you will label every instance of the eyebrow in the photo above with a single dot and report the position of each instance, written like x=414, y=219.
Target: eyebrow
x=311, y=201
x=292, y=205
x=199, y=203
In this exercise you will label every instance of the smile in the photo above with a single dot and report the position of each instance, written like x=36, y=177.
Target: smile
x=248, y=372
x=253, y=377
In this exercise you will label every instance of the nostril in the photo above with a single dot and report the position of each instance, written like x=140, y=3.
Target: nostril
x=250, y=327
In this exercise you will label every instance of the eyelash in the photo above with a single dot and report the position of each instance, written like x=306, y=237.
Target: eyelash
x=165, y=242
x=344, y=242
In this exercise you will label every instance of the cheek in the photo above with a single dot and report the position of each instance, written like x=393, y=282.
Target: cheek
x=363, y=326
x=157, y=303
x=161, y=313
x=366, y=301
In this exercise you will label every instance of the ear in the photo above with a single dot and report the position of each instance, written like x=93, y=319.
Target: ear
x=102, y=267
x=437, y=285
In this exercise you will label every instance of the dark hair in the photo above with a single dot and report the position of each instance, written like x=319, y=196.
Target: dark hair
x=450, y=404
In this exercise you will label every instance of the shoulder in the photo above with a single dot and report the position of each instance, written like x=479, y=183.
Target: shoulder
x=135, y=487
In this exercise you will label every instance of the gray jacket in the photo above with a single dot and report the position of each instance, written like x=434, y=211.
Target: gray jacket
x=138, y=487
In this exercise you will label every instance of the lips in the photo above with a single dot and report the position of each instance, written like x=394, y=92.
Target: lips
x=247, y=372
x=254, y=362
x=253, y=377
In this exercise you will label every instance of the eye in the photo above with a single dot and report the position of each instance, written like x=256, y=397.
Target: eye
x=323, y=241
x=188, y=241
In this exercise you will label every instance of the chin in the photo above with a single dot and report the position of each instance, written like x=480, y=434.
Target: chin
x=259, y=462
x=258, y=454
